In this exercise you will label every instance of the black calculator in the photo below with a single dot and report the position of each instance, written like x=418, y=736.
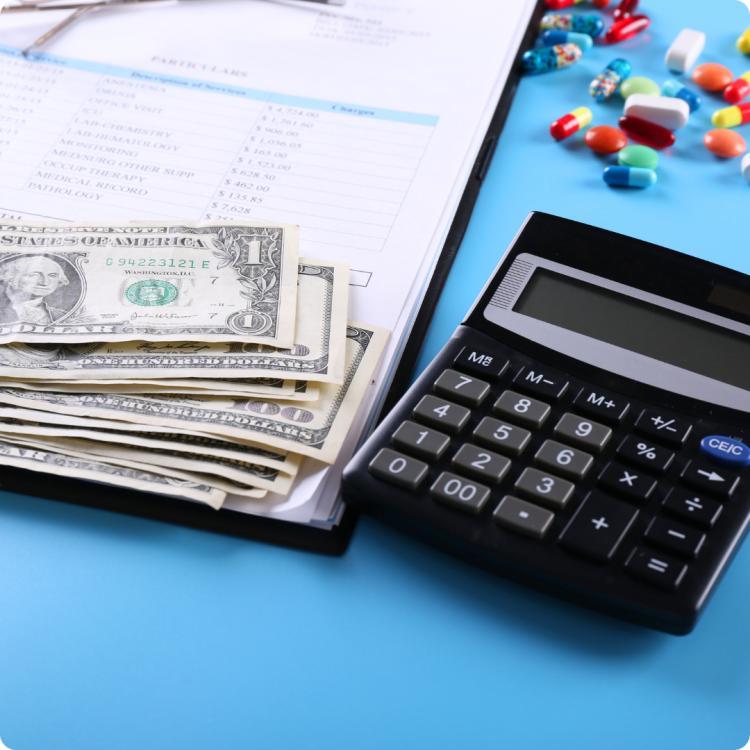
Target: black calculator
x=585, y=430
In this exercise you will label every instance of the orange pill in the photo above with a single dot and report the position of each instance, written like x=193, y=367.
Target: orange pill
x=728, y=144
x=712, y=76
x=604, y=139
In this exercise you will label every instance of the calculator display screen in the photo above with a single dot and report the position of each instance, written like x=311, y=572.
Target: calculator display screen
x=637, y=326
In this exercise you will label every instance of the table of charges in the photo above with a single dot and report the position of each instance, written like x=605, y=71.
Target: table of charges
x=133, y=144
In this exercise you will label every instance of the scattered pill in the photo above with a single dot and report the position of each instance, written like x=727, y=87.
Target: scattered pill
x=632, y=177
x=647, y=133
x=571, y=123
x=731, y=117
x=676, y=89
x=583, y=24
x=550, y=58
x=746, y=167
x=743, y=43
x=560, y=4
x=605, y=139
x=607, y=82
x=738, y=89
x=685, y=50
x=625, y=8
x=626, y=28
x=727, y=144
x=553, y=37
x=667, y=111
x=712, y=76
x=641, y=157
x=639, y=85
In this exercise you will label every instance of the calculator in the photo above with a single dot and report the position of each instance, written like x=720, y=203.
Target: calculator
x=585, y=431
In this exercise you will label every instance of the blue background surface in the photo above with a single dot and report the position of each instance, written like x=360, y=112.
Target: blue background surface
x=122, y=633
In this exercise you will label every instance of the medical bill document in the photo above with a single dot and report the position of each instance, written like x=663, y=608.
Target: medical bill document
x=361, y=124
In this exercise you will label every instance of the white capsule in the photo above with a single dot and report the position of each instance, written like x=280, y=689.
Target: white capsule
x=667, y=111
x=685, y=50
x=746, y=167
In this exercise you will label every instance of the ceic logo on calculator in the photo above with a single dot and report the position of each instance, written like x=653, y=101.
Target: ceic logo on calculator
x=585, y=430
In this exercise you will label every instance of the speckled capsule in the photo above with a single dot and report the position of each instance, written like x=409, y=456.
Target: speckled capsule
x=609, y=80
x=545, y=59
x=584, y=24
x=553, y=37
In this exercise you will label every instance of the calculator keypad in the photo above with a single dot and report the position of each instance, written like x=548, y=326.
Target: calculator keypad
x=524, y=410
x=576, y=466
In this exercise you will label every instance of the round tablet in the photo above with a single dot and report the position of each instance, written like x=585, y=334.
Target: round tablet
x=604, y=139
x=712, y=76
x=727, y=144
x=639, y=85
x=641, y=157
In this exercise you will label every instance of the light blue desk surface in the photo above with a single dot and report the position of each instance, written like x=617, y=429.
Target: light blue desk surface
x=120, y=633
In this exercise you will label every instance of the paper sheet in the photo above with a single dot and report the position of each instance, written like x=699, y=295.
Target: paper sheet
x=361, y=124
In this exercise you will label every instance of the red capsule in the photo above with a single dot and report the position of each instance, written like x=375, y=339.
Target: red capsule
x=560, y=4
x=571, y=123
x=625, y=8
x=600, y=3
x=647, y=133
x=626, y=28
x=738, y=90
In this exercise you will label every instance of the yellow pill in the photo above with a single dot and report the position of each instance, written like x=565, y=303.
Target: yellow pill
x=743, y=43
x=731, y=117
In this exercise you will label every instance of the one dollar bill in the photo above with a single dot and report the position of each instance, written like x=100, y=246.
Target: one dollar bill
x=71, y=284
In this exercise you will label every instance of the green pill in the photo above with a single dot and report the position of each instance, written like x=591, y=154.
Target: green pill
x=639, y=85
x=642, y=157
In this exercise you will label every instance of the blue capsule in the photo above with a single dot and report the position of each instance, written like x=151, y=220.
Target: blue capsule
x=545, y=59
x=553, y=37
x=633, y=177
x=590, y=24
x=678, y=91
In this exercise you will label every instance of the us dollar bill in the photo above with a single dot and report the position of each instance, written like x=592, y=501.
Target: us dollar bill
x=140, y=436
x=58, y=463
x=230, y=475
x=68, y=284
x=317, y=430
x=288, y=390
x=317, y=354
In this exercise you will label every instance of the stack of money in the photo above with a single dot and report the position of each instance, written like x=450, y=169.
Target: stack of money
x=192, y=361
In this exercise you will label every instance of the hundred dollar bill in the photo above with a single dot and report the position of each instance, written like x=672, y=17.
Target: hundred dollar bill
x=317, y=354
x=68, y=284
x=235, y=473
x=58, y=464
x=317, y=430
x=288, y=390
x=140, y=436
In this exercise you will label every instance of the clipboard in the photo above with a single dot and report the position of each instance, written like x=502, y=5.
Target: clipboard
x=329, y=541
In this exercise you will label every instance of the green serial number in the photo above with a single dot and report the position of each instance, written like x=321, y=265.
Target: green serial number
x=158, y=263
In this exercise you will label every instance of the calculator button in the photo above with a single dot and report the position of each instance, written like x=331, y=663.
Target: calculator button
x=664, y=427
x=708, y=477
x=480, y=463
x=645, y=453
x=442, y=414
x=563, y=458
x=544, y=383
x=602, y=404
x=523, y=517
x=460, y=493
x=503, y=436
x=661, y=570
x=690, y=507
x=598, y=527
x=420, y=441
x=462, y=388
x=630, y=483
x=545, y=488
x=398, y=469
x=582, y=432
x=675, y=537
x=528, y=411
x=726, y=450
x=485, y=364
